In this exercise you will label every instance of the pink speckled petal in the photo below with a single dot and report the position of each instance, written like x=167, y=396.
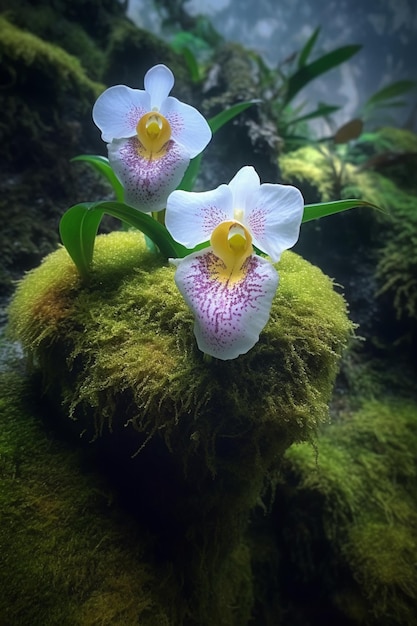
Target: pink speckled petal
x=191, y=216
x=188, y=126
x=159, y=81
x=118, y=110
x=147, y=183
x=229, y=316
x=274, y=218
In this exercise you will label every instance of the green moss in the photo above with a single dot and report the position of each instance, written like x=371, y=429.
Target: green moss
x=20, y=48
x=193, y=443
x=51, y=26
x=46, y=94
x=365, y=477
x=393, y=139
x=316, y=168
x=392, y=234
x=132, y=303
x=131, y=51
x=397, y=266
x=69, y=554
x=46, y=100
x=397, y=257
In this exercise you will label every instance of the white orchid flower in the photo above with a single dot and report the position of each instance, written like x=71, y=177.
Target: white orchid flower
x=228, y=287
x=151, y=137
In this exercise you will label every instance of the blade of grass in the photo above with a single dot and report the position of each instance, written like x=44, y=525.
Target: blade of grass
x=306, y=51
x=307, y=73
x=101, y=164
x=323, y=209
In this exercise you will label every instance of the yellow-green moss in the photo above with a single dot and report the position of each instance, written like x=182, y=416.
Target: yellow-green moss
x=394, y=232
x=25, y=49
x=128, y=329
x=68, y=553
x=365, y=475
x=389, y=138
x=195, y=442
x=50, y=25
x=71, y=555
x=313, y=166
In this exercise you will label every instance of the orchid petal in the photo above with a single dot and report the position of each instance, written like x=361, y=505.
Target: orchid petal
x=147, y=182
x=243, y=185
x=229, y=315
x=191, y=216
x=188, y=126
x=159, y=81
x=274, y=218
x=118, y=110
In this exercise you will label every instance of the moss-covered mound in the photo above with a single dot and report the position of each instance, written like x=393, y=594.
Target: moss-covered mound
x=128, y=330
x=372, y=253
x=191, y=443
x=68, y=554
x=351, y=517
x=46, y=99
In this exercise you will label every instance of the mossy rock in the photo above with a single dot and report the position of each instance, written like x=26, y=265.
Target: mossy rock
x=192, y=444
x=46, y=101
x=131, y=302
x=43, y=87
x=69, y=554
x=372, y=253
x=95, y=17
x=356, y=503
x=131, y=51
x=390, y=151
x=52, y=26
x=253, y=133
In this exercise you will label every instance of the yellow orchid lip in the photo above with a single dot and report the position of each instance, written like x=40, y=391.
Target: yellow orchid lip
x=232, y=244
x=154, y=132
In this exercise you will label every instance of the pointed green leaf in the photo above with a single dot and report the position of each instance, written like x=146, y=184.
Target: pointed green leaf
x=146, y=224
x=191, y=173
x=390, y=91
x=79, y=226
x=192, y=64
x=101, y=164
x=225, y=116
x=321, y=111
x=307, y=73
x=78, y=229
x=215, y=123
x=306, y=51
x=323, y=209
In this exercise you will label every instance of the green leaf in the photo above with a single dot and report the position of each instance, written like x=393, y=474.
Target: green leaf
x=305, y=52
x=192, y=64
x=191, y=173
x=146, y=224
x=79, y=225
x=78, y=229
x=323, y=209
x=225, y=116
x=215, y=123
x=307, y=73
x=321, y=111
x=101, y=164
x=390, y=91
